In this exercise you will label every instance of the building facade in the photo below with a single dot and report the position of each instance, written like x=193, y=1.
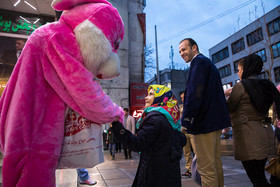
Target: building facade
x=38, y=12
x=131, y=52
x=261, y=37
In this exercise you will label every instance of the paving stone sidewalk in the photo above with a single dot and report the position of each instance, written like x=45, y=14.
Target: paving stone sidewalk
x=121, y=172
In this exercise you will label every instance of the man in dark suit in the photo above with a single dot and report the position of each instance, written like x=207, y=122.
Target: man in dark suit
x=205, y=112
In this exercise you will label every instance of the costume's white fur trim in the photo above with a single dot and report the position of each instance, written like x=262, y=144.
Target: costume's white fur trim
x=94, y=46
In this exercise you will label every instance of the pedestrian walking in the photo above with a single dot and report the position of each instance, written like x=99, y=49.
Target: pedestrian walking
x=129, y=124
x=248, y=103
x=159, y=140
x=111, y=142
x=205, y=112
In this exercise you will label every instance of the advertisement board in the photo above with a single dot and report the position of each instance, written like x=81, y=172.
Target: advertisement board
x=138, y=92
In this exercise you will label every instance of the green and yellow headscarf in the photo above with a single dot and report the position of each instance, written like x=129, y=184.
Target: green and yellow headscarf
x=165, y=103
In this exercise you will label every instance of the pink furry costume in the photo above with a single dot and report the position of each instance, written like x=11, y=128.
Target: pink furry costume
x=56, y=70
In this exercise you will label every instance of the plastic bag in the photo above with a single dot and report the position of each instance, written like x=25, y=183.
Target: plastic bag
x=82, y=145
x=195, y=174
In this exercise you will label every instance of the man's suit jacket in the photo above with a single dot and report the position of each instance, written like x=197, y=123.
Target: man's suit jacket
x=205, y=107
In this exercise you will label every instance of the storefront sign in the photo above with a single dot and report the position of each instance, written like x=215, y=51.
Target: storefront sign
x=11, y=27
x=137, y=113
x=13, y=22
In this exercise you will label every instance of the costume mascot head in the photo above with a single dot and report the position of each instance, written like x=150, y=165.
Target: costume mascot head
x=57, y=70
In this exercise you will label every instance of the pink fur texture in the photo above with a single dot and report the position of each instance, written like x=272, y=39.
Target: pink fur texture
x=49, y=76
x=68, y=4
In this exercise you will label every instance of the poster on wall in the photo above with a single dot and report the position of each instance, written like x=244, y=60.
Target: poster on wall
x=138, y=92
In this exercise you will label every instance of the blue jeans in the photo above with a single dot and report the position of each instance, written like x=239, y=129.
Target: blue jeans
x=83, y=174
x=112, y=148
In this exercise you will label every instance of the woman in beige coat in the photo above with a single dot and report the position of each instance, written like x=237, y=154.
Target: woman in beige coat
x=248, y=103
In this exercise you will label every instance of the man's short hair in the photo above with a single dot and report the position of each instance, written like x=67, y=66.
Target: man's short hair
x=191, y=42
x=22, y=39
x=125, y=109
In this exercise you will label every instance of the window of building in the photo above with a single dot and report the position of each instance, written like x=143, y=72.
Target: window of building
x=254, y=36
x=273, y=26
x=225, y=71
x=277, y=74
x=262, y=54
x=221, y=55
x=276, y=50
x=237, y=46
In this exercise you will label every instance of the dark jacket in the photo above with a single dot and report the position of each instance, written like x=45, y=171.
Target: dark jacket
x=111, y=136
x=205, y=107
x=161, y=150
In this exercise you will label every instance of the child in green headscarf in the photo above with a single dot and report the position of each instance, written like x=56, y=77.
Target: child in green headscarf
x=159, y=139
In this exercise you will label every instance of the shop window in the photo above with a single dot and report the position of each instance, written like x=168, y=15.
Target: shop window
x=15, y=27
